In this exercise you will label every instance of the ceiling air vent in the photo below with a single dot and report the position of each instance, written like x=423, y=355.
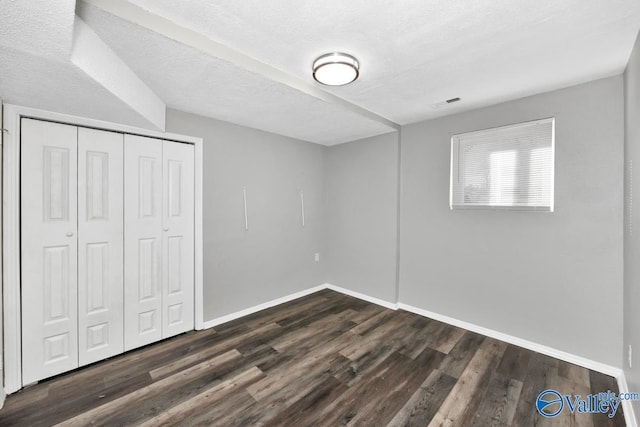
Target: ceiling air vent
x=444, y=103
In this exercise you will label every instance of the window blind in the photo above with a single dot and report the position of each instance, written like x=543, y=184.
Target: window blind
x=506, y=167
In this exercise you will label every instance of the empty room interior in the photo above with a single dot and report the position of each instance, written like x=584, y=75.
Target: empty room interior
x=294, y=213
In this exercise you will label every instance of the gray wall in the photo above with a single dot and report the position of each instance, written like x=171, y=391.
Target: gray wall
x=632, y=222
x=551, y=278
x=361, y=181
x=275, y=257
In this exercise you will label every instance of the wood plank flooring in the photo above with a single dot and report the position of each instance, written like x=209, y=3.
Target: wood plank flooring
x=323, y=360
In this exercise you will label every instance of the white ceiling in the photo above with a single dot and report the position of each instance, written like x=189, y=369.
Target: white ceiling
x=189, y=80
x=36, y=39
x=413, y=54
x=40, y=27
x=54, y=85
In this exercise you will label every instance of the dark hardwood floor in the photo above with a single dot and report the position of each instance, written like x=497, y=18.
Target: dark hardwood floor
x=323, y=360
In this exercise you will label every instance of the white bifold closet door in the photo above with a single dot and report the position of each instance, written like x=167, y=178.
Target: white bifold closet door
x=177, y=238
x=49, y=249
x=107, y=244
x=159, y=229
x=72, y=260
x=100, y=245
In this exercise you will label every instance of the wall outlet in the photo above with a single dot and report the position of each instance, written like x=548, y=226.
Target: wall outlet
x=317, y=257
x=630, y=355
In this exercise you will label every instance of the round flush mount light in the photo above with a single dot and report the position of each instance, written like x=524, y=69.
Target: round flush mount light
x=335, y=69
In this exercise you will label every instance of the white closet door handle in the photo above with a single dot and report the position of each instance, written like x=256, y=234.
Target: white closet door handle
x=70, y=234
x=166, y=229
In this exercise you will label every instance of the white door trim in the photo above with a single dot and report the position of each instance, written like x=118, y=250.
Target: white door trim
x=2, y=393
x=11, y=224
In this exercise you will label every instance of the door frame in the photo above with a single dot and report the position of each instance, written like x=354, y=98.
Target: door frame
x=11, y=224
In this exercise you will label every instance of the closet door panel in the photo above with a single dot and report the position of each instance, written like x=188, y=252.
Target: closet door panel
x=178, y=241
x=49, y=249
x=100, y=244
x=143, y=240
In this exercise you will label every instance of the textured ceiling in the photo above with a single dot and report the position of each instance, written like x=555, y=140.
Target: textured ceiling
x=36, y=38
x=41, y=27
x=48, y=84
x=189, y=80
x=413, y=54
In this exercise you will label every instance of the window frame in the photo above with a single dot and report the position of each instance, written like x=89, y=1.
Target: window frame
x=454, y=148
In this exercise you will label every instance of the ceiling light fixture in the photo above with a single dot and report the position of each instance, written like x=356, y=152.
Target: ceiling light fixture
x=336, y=69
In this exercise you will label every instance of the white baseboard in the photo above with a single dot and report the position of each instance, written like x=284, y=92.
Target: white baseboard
x=549, y=351
x=613, y=371
x=364, y=297
x=530, y=345
x=247, y=311
x=627, y=406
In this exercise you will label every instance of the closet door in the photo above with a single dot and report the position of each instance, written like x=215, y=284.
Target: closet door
x=49, y=249
x=143, y=241
x=177, y=238
x=100, y=245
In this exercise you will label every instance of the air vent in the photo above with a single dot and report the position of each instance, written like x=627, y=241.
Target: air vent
x=444, y=103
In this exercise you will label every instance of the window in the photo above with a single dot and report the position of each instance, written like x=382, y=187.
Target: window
x=509, y=167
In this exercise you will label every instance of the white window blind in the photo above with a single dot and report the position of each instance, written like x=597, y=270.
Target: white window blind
x=506, y=167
